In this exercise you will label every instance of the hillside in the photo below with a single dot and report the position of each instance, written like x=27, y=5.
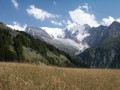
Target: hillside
x=104, y=43
x=96, y=47
x=14, y=76
x=106, y=52
x=20, y=47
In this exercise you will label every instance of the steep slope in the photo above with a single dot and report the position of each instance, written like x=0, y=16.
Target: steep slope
x=70, y=39
x=21, y=47
x=36, y=32
x=106, y=53
x=96, y=35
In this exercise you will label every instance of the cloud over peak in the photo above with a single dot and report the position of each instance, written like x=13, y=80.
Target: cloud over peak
x=15, y=3
x=80, y=16
x=40, y=14
x=107, y=21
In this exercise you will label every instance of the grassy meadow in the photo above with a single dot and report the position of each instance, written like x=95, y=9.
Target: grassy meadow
x=15, y=76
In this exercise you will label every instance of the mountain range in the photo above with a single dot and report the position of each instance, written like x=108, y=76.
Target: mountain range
x=104, y=51
x=18, y=46
x=96, y=47
x=70, y=39
x=74, y=46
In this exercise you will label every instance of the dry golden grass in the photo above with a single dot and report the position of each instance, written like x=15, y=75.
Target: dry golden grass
x=14, y=76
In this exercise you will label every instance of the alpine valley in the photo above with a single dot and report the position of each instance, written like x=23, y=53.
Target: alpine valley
x=74, y=46
x=96, y=47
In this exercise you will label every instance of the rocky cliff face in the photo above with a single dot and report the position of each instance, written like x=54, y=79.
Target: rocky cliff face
x=97, y=34
x=37, y=32
x=114, y=30
x=105, y=51
x=99, y=58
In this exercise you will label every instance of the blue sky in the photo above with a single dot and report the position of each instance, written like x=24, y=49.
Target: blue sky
x=58, y=13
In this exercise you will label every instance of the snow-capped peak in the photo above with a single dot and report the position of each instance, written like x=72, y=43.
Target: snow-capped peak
x=54, y=32
x=75, y=26
x=72, y=36
x=76, y=31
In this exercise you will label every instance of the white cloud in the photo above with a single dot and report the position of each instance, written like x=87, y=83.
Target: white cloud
x=54, y=3
x=40, y=14
x=56, y=23
x=118, y=19
x=15, y=3
x=86, y=6
x=82, y=17
x=18, y=26
x=109, y=20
